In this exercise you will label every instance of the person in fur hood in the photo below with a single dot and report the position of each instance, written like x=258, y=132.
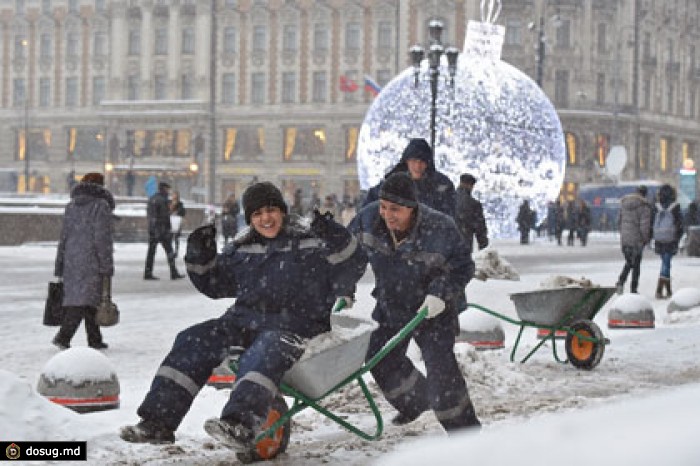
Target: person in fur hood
x=286, y=276
x=84, y=258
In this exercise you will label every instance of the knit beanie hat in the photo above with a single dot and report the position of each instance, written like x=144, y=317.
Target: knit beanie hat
x=94, y=178
x=399, y=189
x=418, y=148
x=262, y=195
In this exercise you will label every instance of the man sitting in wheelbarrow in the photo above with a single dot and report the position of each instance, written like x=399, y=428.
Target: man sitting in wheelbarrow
x=286, y=277
x=419, y=260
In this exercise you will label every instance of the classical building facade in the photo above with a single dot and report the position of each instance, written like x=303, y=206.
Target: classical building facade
x=125, y=85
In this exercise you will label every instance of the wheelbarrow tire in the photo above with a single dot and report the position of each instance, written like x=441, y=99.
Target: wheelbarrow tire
x=268, y=448
x=585, y=354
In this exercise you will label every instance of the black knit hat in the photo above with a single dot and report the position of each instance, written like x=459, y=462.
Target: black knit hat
x=418, y=148
x=262, y=195
x=399, y=189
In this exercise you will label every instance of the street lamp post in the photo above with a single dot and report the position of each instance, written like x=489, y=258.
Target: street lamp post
x=25, y=45
x=434, y=55
x=211, y=192
x=540, y=52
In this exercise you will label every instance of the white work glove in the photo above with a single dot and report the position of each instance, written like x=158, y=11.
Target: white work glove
x=434, y=304
x=343, y=302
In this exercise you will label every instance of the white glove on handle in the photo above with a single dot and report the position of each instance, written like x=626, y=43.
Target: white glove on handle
x=342, y=302
x=434, y=304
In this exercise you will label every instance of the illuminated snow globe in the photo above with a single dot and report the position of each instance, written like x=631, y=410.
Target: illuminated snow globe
x=491, y=120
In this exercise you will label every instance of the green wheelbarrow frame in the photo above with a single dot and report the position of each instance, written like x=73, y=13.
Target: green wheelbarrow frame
x=585, y=308
x=302, y=401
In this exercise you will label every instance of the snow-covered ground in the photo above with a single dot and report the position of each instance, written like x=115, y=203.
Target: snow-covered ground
x=639, y=406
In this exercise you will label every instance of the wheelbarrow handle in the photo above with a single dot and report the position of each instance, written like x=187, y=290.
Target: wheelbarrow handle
x=340, y=304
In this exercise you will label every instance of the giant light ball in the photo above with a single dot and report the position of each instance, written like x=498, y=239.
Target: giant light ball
x=493, y=121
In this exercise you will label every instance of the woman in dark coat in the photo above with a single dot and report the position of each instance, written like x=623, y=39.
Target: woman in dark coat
x=666, y=205
x=85, y=258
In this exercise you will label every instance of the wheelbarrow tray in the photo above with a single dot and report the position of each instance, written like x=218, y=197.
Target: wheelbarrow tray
x=559, y=307
x=331, y=357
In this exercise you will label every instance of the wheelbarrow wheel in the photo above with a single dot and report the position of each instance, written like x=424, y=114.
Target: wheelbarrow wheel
x=269, y=447
x=583, y=353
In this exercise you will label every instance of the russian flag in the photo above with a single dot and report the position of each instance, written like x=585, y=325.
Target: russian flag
x=371, y=86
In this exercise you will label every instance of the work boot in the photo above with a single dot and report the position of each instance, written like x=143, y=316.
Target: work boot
x=62, y=345
x=150, y=276
x=174, y=274
x=99, y=346
x=620, y=288
x=231, y=433
x=660, y=288
x=403, y=418
x=147, y=432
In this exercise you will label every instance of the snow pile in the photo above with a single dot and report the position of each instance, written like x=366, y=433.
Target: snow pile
x=25, y=415
x=610, y=432
x=561, y=281
x=684, y=300
x=631, y=303
x=78, y=365
x=489, y=264
x=344, y=329
x=478, y=321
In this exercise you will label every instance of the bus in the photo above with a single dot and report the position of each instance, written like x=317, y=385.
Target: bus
x=604, y=200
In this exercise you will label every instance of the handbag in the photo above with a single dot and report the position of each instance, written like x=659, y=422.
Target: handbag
x=107, y=313
x=53, y=309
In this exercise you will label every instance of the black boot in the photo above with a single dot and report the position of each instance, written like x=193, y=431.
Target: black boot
x=660, y=288
x=150, y=276
x=667, y=284
x=174, y=274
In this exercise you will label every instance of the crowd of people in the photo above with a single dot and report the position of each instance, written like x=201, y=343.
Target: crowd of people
x=415, y=231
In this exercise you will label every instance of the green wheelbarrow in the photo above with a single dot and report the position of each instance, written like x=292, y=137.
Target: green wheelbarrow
x=569, y=310
x=332, y=366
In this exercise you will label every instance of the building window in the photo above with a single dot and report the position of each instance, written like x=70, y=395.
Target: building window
x=257, y=88
x=320, y=86
x=243, y=142
x=46, y=7
x=134, y=42
x=352, y=134
x=383, y=77
x=45, y=46
x=45, y=92
x=561, y=88
x=133, y=88
x=100, y=6
x=72, y=45
x=289, y=38
x=384, y=35
x=514, y=31
x=100, y=44
x=71, y=92
x=571, y=149
x=159, y=87
x=646, y=46
x=352, y=36
x=600, y=89
x=188, y=40
x=259, y=38
x=289, y=87
x=320, y=37
x=161, y=41
x=644, y=150
x=664, y=150
x=564, y=34
x=187, y=86
x=601, y=39
x=692, y=99
x=303, y=143
x=685, y=152
x=159, y=142
x=228, y=88
x=602, y=147
x=20, y=46
x=19, y=92
x=646, y=93
x=73, y=6
x=229, y=40
x=85, y=143
x=98, y=89
x=670, y=91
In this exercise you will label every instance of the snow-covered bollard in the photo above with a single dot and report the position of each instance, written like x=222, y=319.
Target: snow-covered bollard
x=82, y=379
x=684, y=300
x=631, y=311
x=481, y=330
x=222, y=376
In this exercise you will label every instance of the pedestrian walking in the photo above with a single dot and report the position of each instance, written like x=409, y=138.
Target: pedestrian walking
x=419, y=260
x=469, y=213
x=524, y=220
x=160, y=232
x=668, y=229
x=634, y=220
x=84, y=258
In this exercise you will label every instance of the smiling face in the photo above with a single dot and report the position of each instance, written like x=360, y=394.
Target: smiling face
x=396, y=216
x=267, y=221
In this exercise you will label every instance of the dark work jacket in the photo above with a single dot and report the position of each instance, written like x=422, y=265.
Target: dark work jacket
x=469, y=217
x=288, y=283
x=158, y=213
x=434, y=259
